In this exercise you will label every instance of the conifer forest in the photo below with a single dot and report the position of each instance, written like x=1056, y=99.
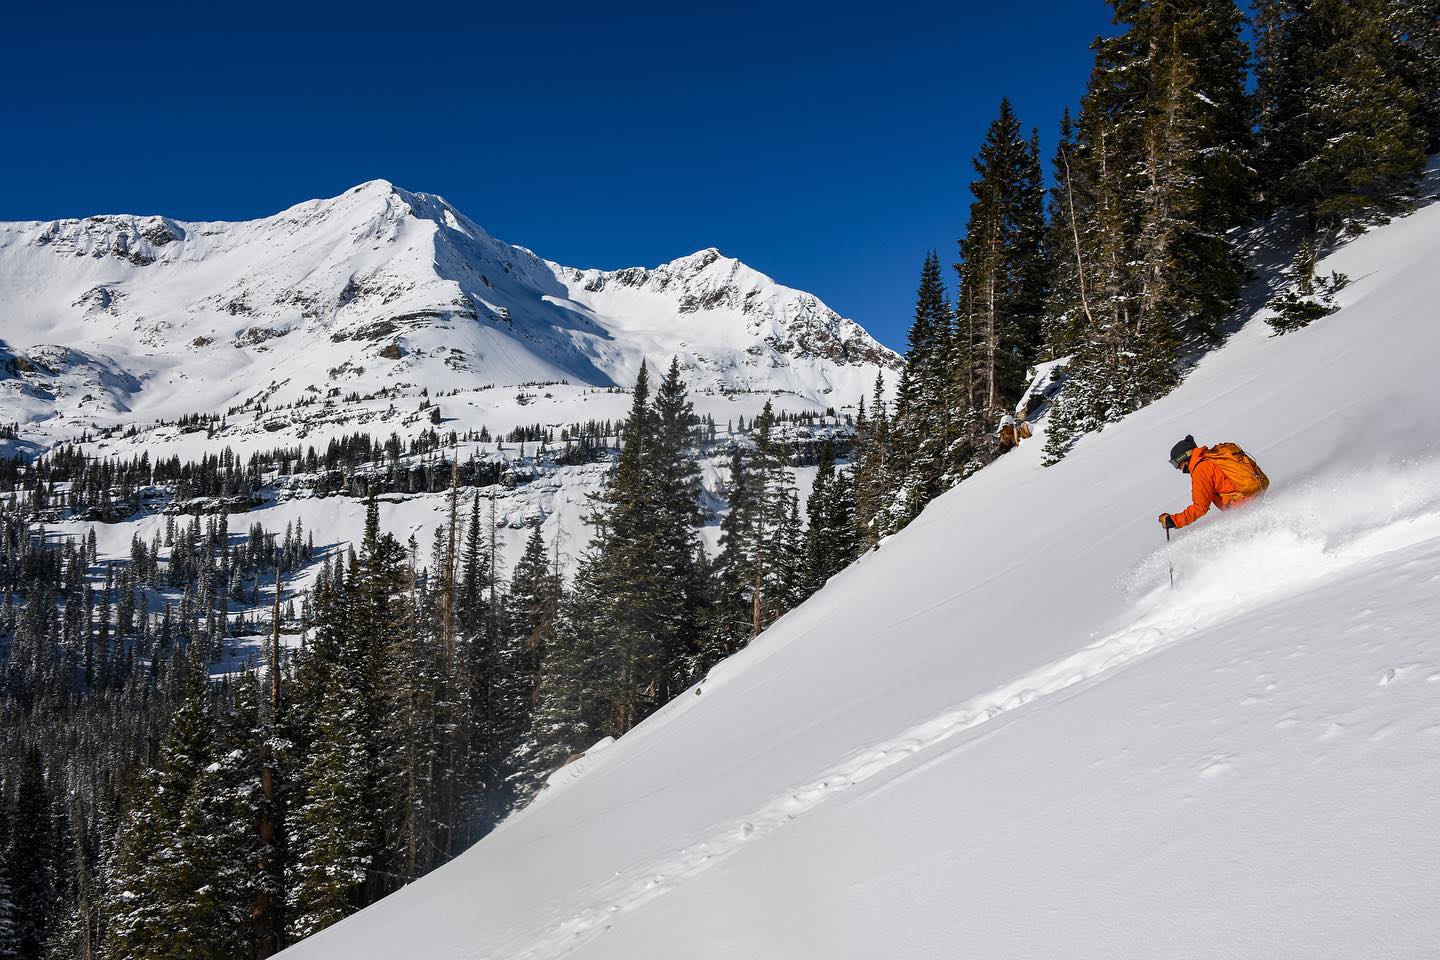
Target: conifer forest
x=163, y=796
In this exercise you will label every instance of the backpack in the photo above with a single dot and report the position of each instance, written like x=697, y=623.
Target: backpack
x=1241, y=470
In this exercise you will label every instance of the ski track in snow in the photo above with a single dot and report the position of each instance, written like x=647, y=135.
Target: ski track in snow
x=639, y=887
x=1175, y=615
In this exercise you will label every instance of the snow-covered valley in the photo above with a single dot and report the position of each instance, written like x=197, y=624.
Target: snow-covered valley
x=1003, y=733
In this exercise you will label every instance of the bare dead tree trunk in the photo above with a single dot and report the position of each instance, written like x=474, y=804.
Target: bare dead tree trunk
x=992, y=339
x=755, y=603
x=1075, y=233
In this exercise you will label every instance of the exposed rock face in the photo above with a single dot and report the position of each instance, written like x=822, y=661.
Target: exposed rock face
x=137, y=240
x=791, y=322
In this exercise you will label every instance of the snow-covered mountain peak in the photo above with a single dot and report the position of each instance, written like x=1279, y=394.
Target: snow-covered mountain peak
x=377, y=186
x=698, y=260
x=363, y=206
x=790, y=322
x=377, y=287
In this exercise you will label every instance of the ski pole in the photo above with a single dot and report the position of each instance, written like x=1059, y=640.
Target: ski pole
x=1168, y=561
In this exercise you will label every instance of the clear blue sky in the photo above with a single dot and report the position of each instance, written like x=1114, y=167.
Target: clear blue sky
x=828, y=146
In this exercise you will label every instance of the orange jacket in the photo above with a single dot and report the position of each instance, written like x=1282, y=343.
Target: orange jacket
x=1208, y=485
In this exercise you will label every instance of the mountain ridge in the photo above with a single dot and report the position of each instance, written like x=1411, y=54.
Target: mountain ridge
x=120, y=314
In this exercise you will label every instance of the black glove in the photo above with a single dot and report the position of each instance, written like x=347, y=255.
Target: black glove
x=1167, y=521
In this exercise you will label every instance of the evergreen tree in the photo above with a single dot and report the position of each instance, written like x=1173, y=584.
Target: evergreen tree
x=830, y=539
x=10, y=948
x=770, y=531
x=1197, y=142
x=532, y=619
x=162, y=856
x=567, y=709
x=1067, y=310
x=1156, y=177
x=620, y=615
x=410, y=736
x=480, y=610
x=381, y=641
x=817, y=535
x=1305, y=297
x=250, y=822
x=334, y=829
x=216, y=833
x=358, y=800
x=1346, y=93
x=452, y=708
x=32, y=858
x=729, y=626
x=635, y=600
x=76, y=931
x=675, y=474
x=791, y=584
x=873, y=469
x=1003, y=271
x=1418, y=26
x=926, y=428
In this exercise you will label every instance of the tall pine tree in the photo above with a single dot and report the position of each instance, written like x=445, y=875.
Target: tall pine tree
x=1346, y=91
x=1155, y=178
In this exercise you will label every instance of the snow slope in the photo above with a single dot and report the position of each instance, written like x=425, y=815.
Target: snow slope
x=115, y=319
x=1003, y=734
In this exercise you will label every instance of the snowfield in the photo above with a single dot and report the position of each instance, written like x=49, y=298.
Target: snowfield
x=1003, y=734
x=125, y=319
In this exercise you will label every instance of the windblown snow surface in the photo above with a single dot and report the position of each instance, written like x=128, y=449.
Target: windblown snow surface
x=1003, y=734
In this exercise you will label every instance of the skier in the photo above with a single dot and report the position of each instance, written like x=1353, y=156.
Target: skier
x=1223, y=476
